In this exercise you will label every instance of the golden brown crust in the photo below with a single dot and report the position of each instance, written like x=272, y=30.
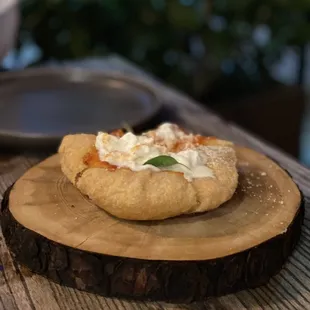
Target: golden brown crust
x=142, y=195
x=212, y=192
x=148, y=195
x=72, y=149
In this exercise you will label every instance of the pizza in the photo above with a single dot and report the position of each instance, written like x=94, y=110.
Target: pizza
x=161, y=173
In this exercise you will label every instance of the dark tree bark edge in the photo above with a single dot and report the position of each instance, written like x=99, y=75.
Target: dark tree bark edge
x=170, y=281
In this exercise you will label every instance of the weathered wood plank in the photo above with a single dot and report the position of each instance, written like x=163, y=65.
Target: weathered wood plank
x=12, y=281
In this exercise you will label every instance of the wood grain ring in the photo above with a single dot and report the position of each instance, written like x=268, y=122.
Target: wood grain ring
x=170, y=281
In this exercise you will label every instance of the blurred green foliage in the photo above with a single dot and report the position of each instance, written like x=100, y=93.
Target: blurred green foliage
x=196, y=45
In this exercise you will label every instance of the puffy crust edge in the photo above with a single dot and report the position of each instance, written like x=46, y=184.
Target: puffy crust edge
x=147, y=195
x=72, y=150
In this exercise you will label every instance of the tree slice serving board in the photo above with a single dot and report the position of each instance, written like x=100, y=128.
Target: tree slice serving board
x=57, y=232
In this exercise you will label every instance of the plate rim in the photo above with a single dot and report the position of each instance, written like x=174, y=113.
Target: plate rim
x=7, y=77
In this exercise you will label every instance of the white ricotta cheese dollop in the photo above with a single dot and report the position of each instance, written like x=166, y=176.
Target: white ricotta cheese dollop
x=132, y=151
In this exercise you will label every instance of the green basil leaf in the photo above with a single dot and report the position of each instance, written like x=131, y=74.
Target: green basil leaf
x=162, y=161
x=127, y=127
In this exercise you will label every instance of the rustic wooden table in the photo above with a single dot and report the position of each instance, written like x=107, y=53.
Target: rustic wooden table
x=290, y=289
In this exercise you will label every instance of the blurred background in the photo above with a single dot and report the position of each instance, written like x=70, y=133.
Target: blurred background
x=249, y=60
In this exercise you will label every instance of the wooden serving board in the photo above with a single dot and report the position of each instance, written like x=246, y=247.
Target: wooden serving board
x=57, y=232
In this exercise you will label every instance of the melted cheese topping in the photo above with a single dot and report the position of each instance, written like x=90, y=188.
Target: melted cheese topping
x=132, y=151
